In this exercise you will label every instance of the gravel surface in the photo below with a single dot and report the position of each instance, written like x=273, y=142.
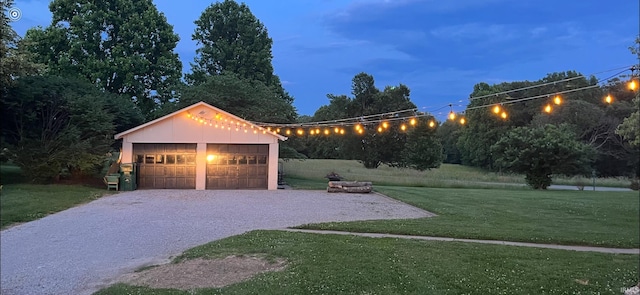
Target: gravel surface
x=85, y=248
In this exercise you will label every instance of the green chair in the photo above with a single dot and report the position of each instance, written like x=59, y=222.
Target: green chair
x=112, y=181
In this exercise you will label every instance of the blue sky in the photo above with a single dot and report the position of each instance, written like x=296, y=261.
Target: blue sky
x=439, y=49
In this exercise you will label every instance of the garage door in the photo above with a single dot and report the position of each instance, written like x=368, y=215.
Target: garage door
x=171, y=166
x=237, y=166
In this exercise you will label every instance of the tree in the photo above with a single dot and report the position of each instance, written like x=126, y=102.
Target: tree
x=483, y=128
x=249, y=99
x=14, y=60
x=383, y=146
x=123, y=47
x=423, y=150
x=542, y=152
x=448, y=133
x=232, y=40
x=630, y=127
x=53, y=123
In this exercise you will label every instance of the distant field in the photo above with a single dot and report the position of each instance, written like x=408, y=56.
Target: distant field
x=448, y=175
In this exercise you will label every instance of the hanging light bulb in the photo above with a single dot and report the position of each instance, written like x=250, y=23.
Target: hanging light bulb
x=188, y=115
x=503, y=115
x=557, y=100
x=341, y=131
x=385, y=125
x=463, y=121
x=360, y=131
x=380, y=129
x=278, y=130
x=452, y=115
x=336, y=130
x=312, y=132
x=300, y=131
x=548, y=109
x=496, y=109
x=327, y=132
x=432, y=124
x=288, y=132
x=633, y=85
x=608, y=99
x=403, y=127
x=413, y=122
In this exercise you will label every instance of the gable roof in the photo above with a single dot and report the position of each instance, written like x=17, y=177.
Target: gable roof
x=202, y=103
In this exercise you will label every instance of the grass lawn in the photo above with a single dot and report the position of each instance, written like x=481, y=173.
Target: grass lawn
x=557, y=217
x=331, y=264
x=28, y=202
x=448, y=175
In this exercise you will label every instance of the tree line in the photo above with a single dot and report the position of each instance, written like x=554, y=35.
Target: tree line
x=102, y=68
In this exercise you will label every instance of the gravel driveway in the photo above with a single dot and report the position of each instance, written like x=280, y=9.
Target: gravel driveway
x=85, y=248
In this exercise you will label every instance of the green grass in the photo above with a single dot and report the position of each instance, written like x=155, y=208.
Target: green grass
x=28, y=202
x=557, y=217
x=331, y=264
x=448, y=175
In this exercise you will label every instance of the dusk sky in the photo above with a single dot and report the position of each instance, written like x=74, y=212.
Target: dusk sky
x=439, y=49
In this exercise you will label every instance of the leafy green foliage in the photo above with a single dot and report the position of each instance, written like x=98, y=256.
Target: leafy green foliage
x=448, y=134
x=423, y=150
x=232, y=40
x=14, y=60
x=249, y=99
x=124, y=47
x=377, y=145
x=629, y=127
x=53, y=123
x=541, y=152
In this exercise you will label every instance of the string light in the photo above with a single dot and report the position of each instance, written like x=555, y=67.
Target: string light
x=407, y=117
x=496, y=109
x=557, y=100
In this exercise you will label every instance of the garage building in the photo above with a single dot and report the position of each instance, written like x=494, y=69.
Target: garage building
x=202, y=147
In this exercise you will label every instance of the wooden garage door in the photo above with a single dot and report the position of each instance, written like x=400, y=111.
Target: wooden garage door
x=166, y=165
x=237, y=166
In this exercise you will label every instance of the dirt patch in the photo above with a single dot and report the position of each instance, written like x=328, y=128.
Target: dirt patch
x=203, y=273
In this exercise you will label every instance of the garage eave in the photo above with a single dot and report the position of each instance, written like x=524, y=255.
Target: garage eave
x=132, y=130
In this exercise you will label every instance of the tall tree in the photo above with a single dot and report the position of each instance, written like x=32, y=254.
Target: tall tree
x=14, y=60
x=232, y=39
x=123, y=46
